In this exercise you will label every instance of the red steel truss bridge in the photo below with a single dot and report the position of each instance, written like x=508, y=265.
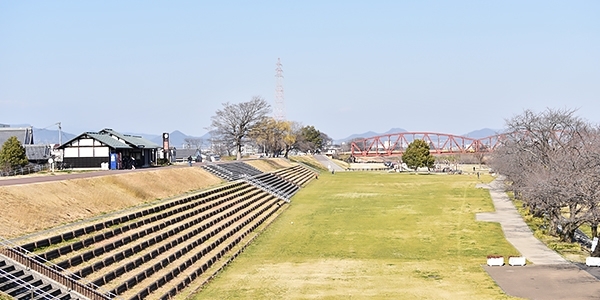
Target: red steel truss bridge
x=439, y=143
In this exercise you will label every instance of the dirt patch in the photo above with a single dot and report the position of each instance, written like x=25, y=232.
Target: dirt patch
x=33, y=207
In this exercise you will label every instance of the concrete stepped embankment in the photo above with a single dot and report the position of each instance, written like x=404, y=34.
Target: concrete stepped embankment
x=156, y=252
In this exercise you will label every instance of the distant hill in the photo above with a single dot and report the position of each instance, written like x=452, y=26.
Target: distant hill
x=45, y=136
x=177, y=139
x=50, y=136
x=368, y=134
x=395, y=130
x=482, y=133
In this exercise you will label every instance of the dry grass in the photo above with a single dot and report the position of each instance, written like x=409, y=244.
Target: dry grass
x=268, y=165
x=33, y=207
x=308, y=160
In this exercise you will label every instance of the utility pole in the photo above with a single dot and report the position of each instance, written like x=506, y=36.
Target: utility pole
x=279, y=111
x=59, y=133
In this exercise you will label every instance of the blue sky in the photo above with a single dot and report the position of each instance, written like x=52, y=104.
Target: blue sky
x=349, y=66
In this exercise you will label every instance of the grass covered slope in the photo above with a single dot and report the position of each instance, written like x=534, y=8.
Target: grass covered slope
x=33, y=207
x=372, y=235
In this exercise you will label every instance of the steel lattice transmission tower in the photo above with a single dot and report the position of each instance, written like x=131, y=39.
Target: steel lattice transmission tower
x=279, y=111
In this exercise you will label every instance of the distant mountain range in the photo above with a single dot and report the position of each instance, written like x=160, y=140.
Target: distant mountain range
x=477, y=134
x=51, y=136
x=482, y=133
x=177, y=138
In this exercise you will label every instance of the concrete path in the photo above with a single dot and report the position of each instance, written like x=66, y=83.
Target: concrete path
x=58, y=176
x=551, y=276
x=327, y=162
x=515, y=229
x=546, y=282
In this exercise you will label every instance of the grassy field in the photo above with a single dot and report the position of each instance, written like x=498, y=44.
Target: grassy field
x=364, y=235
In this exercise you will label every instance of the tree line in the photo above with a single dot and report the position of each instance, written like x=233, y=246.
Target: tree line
x=247, y=123
x=551, y=160
x=232, y=127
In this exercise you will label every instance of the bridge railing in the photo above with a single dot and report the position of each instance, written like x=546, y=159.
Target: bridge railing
x=439, y=143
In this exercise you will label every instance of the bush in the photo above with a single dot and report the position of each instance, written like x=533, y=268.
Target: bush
x=163, y=162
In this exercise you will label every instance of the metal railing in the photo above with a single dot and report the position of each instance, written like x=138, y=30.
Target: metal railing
x=251, y=180
x=33, y=290
x=54, y=272
x=223, y=170
x=23, y=170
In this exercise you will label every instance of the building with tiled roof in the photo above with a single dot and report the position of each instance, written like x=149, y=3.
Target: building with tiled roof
x=35, y=153
x=108, y=148
x=23, y=134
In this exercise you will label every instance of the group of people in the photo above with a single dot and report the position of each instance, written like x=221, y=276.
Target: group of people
x=128, y=163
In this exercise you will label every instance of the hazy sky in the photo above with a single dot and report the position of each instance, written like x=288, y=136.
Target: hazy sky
x=349, y=66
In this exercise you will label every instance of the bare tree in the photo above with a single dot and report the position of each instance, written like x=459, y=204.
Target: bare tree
x=233, y=123
x=220, y=147
x=193, y=142
x=552, y=160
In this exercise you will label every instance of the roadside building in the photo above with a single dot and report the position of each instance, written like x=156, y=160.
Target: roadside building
x=181, y=155
x=23, y=134
x=108, y=149
x=38, y=154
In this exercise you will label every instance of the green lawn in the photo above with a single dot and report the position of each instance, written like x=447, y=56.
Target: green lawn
x=371, y=235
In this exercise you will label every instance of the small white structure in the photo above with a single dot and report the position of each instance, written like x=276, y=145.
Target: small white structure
x=495, y=261
x=516, y=261
x=592, y=261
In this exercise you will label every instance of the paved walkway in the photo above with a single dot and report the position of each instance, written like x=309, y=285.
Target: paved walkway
x=60, y=175
x=515, y=229
x=550, y=276
x=326, y=162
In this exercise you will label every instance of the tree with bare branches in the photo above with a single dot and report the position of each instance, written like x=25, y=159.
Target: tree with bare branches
x=193, y=142
x=552, y=160
x=233, y=122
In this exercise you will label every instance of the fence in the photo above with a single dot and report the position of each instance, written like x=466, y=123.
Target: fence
x=33, y=290
x=54, y=272
x=33, y=168
x=23, y=170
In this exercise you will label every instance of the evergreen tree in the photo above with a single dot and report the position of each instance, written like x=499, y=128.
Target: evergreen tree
x=417, y=155
x=12, y=154
x=310, y=139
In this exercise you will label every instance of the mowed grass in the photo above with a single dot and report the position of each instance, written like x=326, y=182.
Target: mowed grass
x=363, y=235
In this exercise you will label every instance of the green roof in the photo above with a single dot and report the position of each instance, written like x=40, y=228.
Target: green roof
x=133, y=140
x=108, y=140
x=116, y=140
